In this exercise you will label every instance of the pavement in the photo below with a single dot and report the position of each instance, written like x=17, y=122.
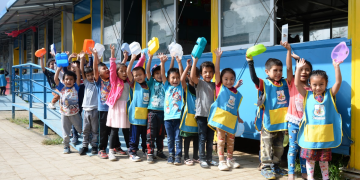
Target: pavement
x=23, y=156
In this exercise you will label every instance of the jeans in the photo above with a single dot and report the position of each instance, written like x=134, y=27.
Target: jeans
x=294, y=149
x=206, y=135
x=136, y=132
x=155, y=131
x=174, y=138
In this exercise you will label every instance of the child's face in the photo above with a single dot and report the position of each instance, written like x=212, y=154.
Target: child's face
x=305, y=73
x=69, y=81
x=207, y=73
x=157, y=76
x=52, y=65
x=104, y=72
x=275, y=73
x=174, y=79
x=190, y=81
x=90, y=76
x=318, y=84
x=139, y=76
x=122, y=73
x=228, y=80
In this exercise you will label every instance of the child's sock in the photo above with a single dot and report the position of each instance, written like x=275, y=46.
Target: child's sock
x=324, y=166
x=310, y=165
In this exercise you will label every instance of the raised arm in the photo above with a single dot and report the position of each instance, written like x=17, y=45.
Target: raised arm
x=299, y=86
x=148, y=66
x=113, y=73
x=172, y=62
x=82, y=63
x=218, y=54
x=289, y=71
x=78, y=76
x=42, y=63
x=95, y=64
x=335, y=88
x=193, y=71
x=163, y=58
x=128, y=70
x=56, y=77
x=181, y=69
x=253, y=75
x=184, y=74
x=126, y=56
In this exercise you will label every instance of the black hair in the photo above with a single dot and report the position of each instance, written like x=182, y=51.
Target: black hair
x=173, y=70
x=227, y=70
x=49, y=61
x=2, y=72
x=88, y=70
x=319, y=73
x=308, y=63
x=197, y=73
x=157, y=68
x=69, y=73
x=139, y=68
x=207, y=64
x=119, y=65
x=272, y=62
x=101, y=64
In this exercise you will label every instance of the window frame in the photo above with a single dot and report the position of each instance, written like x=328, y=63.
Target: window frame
x=245, y=46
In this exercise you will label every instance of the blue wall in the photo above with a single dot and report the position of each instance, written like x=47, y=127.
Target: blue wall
x=96, y=21
x=81, y=9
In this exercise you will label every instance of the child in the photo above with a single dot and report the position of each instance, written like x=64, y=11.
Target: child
x=224, y=113
x=69, y=105
x=275, y=90
x=50, y=77
x=295, y=111
x=173, y=106
x=117, y=102
x=101, y=76
x=321, y=128
x=3, y=82
x=138, y=108
x=205, y=91
x=188, y=125
x=155, y=128
x=89, y=105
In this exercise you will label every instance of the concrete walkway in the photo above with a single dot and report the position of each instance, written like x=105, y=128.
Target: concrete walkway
x=22, y=156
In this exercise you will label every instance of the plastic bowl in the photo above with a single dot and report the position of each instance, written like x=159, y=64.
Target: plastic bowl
x=240, y=129
x=340, y=52
x=256, y=50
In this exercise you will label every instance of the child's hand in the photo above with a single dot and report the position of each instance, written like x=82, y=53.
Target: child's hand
x=150, y=55
x=194, y=59
x=81, y=54
x=59, y=68
x=178, y=60
x=52, y=54
x=92, y=50
x=293, y=55
x=126, y=55
x=73, y=55
x=240, y=120
x=112, y=49
x=301, y=63
x=133, y=56
x=337, y=64
x=67, y=53
x=248, y=58
x=286, y=45
x=163, y=58
x=238, y=84
x=188, y=63
x=218, y=52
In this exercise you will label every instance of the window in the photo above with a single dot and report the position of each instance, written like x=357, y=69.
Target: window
x=241, y=22
x=57, y=33
x=28, y=46
x=296, y=34
x=112, y=29
x=161, y=20
x=319, y=31
x=41, y=36
x=340, y=29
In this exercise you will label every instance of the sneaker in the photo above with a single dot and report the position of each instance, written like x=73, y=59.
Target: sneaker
x=119, y=151
x=268, y=173
x=67, y=150
x=177, y=160
x=196, y=160
x=83, y=151
x=280, y=171
x=232, y=164
x=102, y=154
x=74, y=140
x=161, y=155
x=223, y=166
x=212, y=163
x=134, y=158
x=51, y=106
x=112, y=155
x=170, y=160
x=94, y=150
x=189, y=162
x=204, y=164
x=150, y=158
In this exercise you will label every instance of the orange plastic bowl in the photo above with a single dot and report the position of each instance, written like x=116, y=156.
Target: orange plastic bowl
x=40, y=52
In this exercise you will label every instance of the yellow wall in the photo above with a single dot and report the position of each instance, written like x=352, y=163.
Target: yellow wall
x=353, y=33
x=16, y=57
x=80, y=32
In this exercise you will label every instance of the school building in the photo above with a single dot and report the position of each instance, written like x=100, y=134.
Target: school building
x=315, y=27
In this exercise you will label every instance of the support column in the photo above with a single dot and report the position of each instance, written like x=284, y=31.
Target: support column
x=214, y=27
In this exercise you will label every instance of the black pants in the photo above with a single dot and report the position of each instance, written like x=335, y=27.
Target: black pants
x=126, y=133
x=114, y=140
x=81, y=93
x=104, y=131
x=206, y=135
x=195, y=147
x=155, y=131
x=2, y=90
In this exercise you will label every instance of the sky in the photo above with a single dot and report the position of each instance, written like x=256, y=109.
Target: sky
x=3, y=4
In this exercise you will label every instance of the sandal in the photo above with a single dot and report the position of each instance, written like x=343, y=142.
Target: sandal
x=189, y=162
x=196, y=160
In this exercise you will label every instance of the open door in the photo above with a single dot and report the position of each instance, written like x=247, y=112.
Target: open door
x=81, y=30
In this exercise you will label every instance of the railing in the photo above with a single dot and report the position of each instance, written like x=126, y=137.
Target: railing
x=30, y=93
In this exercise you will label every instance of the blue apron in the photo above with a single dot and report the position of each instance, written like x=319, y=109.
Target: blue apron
x=138, y=107
x=321, y=126
x=188, y=121
x=275, y=106
x=223, y=112
x=2, y=80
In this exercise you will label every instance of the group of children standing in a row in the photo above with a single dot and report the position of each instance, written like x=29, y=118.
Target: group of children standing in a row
x=145, y=103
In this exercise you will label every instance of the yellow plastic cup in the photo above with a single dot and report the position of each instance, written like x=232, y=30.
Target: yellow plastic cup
x=255, y=50
x=153, y=45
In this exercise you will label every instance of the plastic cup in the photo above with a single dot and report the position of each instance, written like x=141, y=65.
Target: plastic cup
x=256, y=50
x=240, y=129
x=99, y=49
x=340, y=52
